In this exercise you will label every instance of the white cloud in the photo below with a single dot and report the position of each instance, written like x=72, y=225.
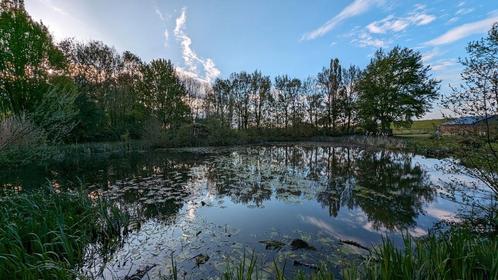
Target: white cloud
x=55, y=8
x=191, y=59
x=366, y=40
x=163, y=19
x=159, y=14
x=166, y=38
x=443, y=65
x=464, y=30
x=397, y=24
x=427, y=57
x=356, y=8
x=391, y=24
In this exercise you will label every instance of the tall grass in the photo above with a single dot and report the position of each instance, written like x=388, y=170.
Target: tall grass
x=43, y=234
x=456, y=254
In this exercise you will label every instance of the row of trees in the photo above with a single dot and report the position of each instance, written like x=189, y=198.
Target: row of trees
x=91, y=92
x=395, y=88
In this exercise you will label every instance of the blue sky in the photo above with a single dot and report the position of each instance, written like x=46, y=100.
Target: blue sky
x=211, y=38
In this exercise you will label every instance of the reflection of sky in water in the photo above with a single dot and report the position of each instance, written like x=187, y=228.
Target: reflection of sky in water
x=221, y=203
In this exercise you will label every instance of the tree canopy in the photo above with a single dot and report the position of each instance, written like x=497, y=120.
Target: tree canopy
x=395, y=88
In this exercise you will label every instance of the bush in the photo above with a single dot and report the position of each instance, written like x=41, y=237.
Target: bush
x=19, y=131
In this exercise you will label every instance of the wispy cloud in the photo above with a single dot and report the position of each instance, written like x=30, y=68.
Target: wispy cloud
x=428, y=56
x=397, y=24
x=356, y=8
x=159, y=14
x=365, y=39
x=461, y=11
x=464, y=30
x=444, y=64
x=381, y=32
x=163, y=19
x=166, y=37
x=191, y=59
x=54, y=7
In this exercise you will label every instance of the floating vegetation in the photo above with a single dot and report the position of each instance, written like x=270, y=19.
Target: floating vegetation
x=272, y=244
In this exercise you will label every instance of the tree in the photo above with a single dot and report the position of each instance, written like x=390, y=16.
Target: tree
x=351, y=78
x=287, y=98
x=331, y=79
x=395, y=88
x=478, y=96
x=260, y=89
x=164, y=94
x=28, y=59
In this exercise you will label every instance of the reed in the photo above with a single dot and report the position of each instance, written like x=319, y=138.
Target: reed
x=44, y=234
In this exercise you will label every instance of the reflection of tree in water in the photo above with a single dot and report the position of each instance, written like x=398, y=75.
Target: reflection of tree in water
x=384, y=185
x=390, y=190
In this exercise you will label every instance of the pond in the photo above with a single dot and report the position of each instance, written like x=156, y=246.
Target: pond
x=304, y=205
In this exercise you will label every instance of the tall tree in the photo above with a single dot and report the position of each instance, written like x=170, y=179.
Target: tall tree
x=331, y=79
x=28, y=58
x=395, y=88
x=260, y=88
x=351, y=78
x=164, y=94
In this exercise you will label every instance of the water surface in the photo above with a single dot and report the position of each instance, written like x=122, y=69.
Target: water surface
x=232, y=202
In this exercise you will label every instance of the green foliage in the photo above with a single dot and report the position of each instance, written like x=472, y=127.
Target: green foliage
x=44, y=234
x=163, y=93
x=56, y=113
x=27, y=57
x=457, y=254
x=395, y=88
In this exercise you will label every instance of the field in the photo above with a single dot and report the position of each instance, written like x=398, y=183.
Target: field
x=419, y=128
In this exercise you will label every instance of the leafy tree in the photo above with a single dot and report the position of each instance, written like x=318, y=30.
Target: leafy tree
x=351, y=78
x=28, y=58
x=164, y=94
x=331, y=79
x=260, y=89
x=395, y=88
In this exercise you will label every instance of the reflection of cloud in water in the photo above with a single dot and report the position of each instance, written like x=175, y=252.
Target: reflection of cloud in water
x=441, y=214
x=417, y=232
x=323, y=225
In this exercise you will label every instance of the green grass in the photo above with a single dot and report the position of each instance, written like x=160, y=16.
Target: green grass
x=455, y=254
x=44, y=234
x=419, y=128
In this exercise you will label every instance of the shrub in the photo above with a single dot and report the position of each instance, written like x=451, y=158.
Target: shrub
x=19, y=131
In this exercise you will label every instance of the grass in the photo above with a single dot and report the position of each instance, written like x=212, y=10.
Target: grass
x=44, y=233
x=458, y=253
x=419, y=128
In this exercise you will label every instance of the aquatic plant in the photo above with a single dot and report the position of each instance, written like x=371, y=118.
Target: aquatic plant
x=44, y=234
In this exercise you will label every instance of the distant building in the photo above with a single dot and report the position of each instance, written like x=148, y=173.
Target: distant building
x=470, y=125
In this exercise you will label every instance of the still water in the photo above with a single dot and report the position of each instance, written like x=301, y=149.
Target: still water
x=211, y=208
